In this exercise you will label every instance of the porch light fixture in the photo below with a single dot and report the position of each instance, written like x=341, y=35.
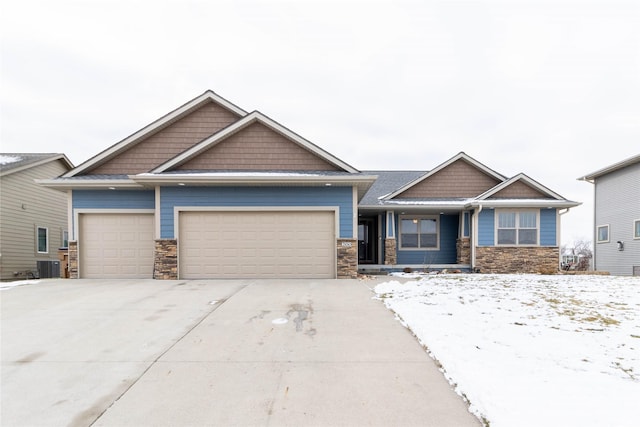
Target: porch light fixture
x=620, y=245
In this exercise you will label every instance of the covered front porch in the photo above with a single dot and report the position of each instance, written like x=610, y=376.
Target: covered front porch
x=414, y=239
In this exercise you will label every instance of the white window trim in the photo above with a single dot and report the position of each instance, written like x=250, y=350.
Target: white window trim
x=46, y=229
x=635, y=221
x=419, y=217
x=608, y=233
x=517, y=212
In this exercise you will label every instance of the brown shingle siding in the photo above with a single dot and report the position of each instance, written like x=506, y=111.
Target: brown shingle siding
x=519, y=190
x=257, y=147
x=459, y=179
x=169, y=142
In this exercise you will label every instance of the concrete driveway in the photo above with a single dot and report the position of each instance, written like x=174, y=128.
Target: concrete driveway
x=195, y=353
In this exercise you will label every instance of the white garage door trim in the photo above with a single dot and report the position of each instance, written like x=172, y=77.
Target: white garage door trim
x=255, y=209
x=76, y=226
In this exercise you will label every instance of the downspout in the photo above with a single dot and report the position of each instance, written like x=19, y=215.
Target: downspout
x=474, y=241
x=559, y=237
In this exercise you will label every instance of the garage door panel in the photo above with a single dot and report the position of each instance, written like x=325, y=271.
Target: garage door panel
x=257, y=244
x=116, y=245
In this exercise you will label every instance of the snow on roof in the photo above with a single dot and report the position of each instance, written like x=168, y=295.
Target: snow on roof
x=5, y=159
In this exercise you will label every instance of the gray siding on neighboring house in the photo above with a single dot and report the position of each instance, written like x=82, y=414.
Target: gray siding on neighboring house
x=617, y=203
x=25, y=205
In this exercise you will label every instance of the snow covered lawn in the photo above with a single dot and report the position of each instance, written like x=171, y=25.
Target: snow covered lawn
x=528, y=350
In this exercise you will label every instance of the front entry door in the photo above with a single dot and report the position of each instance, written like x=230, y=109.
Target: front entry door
x=367, y=242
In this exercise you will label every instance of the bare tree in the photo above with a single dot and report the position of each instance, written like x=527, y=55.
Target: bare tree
x=583, y=249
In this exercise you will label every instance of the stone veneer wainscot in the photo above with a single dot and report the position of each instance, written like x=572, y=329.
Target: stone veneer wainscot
x=347, y=258
x=505, y=260
x=165, y=266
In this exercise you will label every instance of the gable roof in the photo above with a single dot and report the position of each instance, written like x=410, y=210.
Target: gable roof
x=520, y=178
x=391, y=183
x=612, y=168
x=253, y=117
x=460, y=156
x=15, y=162
x=551, y=198
x=182, y=111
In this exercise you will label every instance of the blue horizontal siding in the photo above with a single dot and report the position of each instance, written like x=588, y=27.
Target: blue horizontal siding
x=486, y=228
x=113, y=199
x=548, y=227
x=449, y=226
x=255, y=197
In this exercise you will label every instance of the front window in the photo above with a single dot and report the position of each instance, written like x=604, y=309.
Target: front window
x=42, y=240
x=65, y=239
x=418, y=232
x=603, y=233
x=517, y=228
x=636, y=229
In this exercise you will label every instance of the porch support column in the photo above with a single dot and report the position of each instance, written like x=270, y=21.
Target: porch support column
x=390, y=253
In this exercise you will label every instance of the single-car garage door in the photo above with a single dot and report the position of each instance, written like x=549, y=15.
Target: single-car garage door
x=116, y=246
x=248, y=244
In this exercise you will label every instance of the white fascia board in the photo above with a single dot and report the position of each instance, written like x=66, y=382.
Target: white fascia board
x=208, y=95
x=612, y=168
x=523, y=203
x=251, y=118
x=461, y=155
x=362, y=182
x=235, y=179
x=76, y=184
x=524, y=178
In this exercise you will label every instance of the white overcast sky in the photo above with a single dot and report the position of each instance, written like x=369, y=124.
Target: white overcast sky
x=548, y=88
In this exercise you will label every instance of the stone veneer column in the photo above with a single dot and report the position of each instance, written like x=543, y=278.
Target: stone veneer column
x=347, y=258
x=73, y=260
x=390, y=253
x=165, y=266
x=463, y=250
x=504, y=260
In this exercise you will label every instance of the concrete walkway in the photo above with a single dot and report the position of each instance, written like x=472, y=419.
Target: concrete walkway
x=195, y=353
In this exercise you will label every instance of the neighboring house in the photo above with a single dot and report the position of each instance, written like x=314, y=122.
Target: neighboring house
x=212, y=191
x=617, y=217
x=33, y=219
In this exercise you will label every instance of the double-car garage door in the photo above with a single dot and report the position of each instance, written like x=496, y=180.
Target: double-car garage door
x=213, y=244
x=249, y=244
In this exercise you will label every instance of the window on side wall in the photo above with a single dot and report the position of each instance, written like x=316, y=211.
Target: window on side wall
x=419, y=232
x=42, y=240
x=636, y=229
x=602, y=233
x=65, y=239
x=514, y=227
